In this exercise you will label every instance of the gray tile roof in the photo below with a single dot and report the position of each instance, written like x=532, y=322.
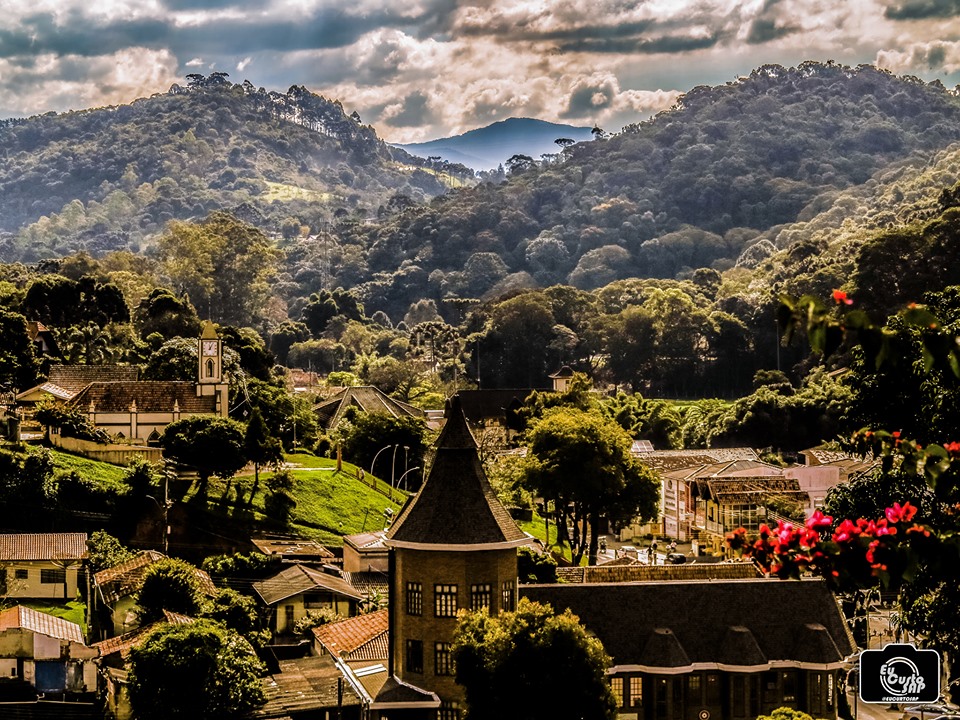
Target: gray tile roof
x=43, y=546
x=455, y=505
x=737, y=622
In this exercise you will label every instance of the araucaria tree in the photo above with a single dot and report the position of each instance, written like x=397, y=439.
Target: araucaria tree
x=581, y=461
x=512, y=665
x=200, y=670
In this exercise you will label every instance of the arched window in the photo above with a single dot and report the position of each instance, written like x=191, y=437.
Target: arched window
x=210, y=368
x=153, y=438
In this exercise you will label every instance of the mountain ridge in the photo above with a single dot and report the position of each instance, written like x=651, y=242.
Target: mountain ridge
x=492, y=145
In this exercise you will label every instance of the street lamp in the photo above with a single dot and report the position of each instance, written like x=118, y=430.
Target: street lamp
x=385, y=447
x=405, y=475
x=166, y=525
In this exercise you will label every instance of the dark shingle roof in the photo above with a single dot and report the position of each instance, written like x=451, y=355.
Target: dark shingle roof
x=395, y=691
x=366, y=398
x=43, y=546
x=480, y=405
x=455, y=505
x=149, y=395
x=734, y=622
x=76, y=377
x=299, y=579
x=304, y=687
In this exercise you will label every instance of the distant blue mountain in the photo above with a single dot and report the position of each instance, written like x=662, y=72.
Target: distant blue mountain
x=487, y=147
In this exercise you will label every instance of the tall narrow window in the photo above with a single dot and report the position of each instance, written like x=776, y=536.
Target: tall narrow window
x=636, y=692
x=616, y=685
x=506, y=595
x=739, y=699
x=481, y=596
x=209, y=368
x=414, y=598
x=415, y=656
x=445, y=600
x=442, y=659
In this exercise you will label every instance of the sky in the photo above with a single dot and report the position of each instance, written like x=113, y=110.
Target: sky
x=422, y=69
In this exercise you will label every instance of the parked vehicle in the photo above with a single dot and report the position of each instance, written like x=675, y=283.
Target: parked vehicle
x=928, y=712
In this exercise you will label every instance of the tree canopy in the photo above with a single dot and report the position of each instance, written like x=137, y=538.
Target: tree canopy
x=194, y=670
x=512, y=665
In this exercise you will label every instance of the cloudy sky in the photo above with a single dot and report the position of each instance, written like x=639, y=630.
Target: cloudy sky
x=419, y=69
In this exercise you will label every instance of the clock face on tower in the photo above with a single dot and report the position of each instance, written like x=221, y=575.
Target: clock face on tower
x=209, y=347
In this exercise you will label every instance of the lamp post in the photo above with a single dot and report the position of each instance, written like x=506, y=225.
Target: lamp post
x=402, y=477
x=166, y=524
x=393, y=466
x=385, y=447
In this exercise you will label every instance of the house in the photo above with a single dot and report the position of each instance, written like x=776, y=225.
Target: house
x=113, y=654
x=309, y=688
x=366, y=552
x=293, y=549
x=45, y=652
x=42, y=565
x=116, y=590
x=561, y=379
x=293, y=592
x=825, y=470
x=44, y=343
x=719, y=649
x=359, y=647
x=132, y=410
x=364, y=398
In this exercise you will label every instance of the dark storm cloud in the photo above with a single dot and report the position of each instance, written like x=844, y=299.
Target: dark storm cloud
x=763, y=30
x=921, y=9
x=586, y=101
x=523, y=31
x=649, y=46
x=415, y=112
x=40, y=34
x=327, y=28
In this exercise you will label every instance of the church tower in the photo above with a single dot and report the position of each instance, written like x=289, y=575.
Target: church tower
x=453, y=547
x=210, y=367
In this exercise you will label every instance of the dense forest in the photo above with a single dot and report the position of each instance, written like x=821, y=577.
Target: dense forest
x=111, y=178
x=651, y=260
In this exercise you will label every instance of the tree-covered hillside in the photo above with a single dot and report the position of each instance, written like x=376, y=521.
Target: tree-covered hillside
x=696, y=186
x=109, y=178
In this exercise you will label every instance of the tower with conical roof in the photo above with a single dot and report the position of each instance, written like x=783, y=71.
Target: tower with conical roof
x=453, y=547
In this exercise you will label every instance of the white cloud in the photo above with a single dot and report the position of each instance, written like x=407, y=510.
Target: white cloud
x=242, y=65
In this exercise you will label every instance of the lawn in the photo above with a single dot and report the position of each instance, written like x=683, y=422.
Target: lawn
x=73, y=610
x=536, y=528
x=330, y=503
x=285, y=193
x=106, y=476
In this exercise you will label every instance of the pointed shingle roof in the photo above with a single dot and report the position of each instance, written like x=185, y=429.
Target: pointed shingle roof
x=455, y=508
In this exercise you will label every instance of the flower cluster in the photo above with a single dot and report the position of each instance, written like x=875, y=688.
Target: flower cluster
x=855, y=549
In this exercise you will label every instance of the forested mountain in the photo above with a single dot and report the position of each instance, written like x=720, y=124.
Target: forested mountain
x=697, y=186
x=108, y=178
x=488, y=147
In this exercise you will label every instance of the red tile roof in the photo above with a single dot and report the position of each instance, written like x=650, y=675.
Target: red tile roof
x=20, y=617
x=125, y=579
x=43, y=546
x=358, y=638
x=124, y=643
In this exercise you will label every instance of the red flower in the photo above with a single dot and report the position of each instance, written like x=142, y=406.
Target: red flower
x=953, y=448
x=900, y=512
x=840, y=298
